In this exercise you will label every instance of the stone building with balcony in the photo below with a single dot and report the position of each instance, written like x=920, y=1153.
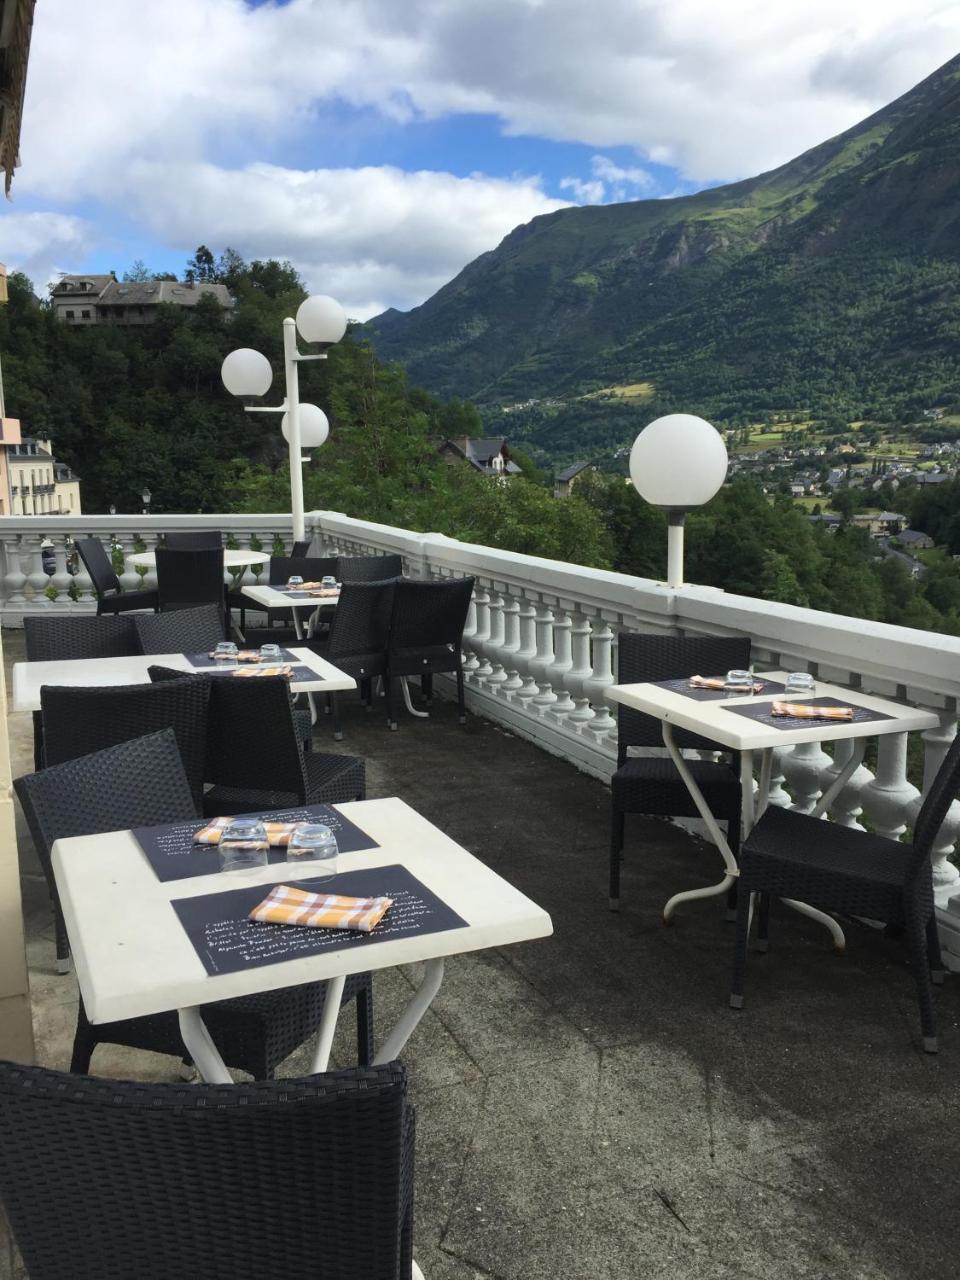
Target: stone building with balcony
x=37, y=483
x=103, y=299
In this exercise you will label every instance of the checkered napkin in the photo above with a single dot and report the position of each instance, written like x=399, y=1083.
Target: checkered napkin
x=807, y=711
x=286, y=905
x=278, y=833
x=287, y=672
x=717, y=682
x=313, y=589
x=245, y=655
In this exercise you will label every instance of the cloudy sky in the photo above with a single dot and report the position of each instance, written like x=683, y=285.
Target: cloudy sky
x=380, y=145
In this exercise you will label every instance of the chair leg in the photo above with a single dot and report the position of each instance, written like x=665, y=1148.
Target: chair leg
x=426, y=687
x=335, y=712
x=461, y=705
x=388, y=694
x=762, y=942
x=935, y=960
x=84, y=1043
x=63, y=942
x=917, y=943
x=616, y=856
x=740, y=947
x=365, y=1048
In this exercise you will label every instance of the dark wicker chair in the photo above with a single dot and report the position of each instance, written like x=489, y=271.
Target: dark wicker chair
x=196, y=630
x=426, y=633
x=111, y=598
x=142, y=783
x=651, y=785
x=77, y=722
x=193, y=540
x=370, y=568
x=279, y=571
x=855, y=873
x=357, y=643
x=301, y=1179
x=56, y=639
x=300, y=549
x=186, y=579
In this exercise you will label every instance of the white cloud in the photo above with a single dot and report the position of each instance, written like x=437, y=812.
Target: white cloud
x=611, y=182
x=39, y=243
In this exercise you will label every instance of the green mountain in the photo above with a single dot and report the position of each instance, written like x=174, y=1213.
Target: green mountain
x=831, y=284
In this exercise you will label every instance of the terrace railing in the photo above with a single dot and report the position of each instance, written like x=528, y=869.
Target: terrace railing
x=541, y=642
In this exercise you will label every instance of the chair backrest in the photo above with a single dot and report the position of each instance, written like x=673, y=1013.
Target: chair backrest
x=252, y=739
x=305, y=1177
x=370, y=568
x=300, y=549
x=360, y=624
x=309, y=568
x=78, y=721
x=180, y=630
x=428, y=613
x=647, y=658
x=140, y=783
x=943, y=791
x=51, y=639
x=98, y=564
x=186, y=578
x=193, y=540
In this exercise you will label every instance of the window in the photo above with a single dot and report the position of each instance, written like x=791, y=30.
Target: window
x=85, y=315
x=68, y=314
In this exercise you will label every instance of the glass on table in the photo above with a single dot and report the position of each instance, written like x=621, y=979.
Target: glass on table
x=314, y=842
x=226, y=652
x=328, y=582
x=270, y=654
x=740, y=682
x=799, y=682
x=243, y=845
x=294, y=582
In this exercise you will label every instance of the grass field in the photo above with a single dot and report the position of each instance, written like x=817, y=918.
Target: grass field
x=629, y=391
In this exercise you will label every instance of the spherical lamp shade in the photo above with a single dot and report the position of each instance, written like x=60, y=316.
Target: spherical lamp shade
x=246, y=372
x=678, y=461
x=321, y=319
x=314, y=427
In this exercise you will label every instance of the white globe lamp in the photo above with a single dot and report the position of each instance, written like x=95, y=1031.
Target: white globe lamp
x=246, y=372
x=321, y=320
x=676, y=463
x=314, y=427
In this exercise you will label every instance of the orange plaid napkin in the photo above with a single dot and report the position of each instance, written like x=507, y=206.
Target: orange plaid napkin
x=286, y=905
x=278, y=833
x=264, y=671
x=807, y=711
x=245, y=655
x=314, y=589
x=717, y=682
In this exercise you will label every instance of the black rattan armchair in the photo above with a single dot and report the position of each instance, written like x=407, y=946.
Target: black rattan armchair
x=301, y=1179
x=111, y=598
x=370, y=568
x=55, y=639
x=142, y=783
x=856, y=873
x=193, y=540
x=196, y=630
x=186, y=579
x=650, y=784
x=426, y=632
x=359, y=632
x=300, y=549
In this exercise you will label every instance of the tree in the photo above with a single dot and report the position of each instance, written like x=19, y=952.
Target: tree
x=138, y=272
x=201, y=268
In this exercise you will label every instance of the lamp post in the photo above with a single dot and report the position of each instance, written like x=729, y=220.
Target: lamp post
x=113, y=508
x=245, y=372
x=676, y=463
x=146, y=496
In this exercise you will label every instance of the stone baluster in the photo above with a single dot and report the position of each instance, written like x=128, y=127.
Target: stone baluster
x=559, y=668
x=946, y=876
x=14, y=579
x=470, y=660
x=777, y=794
x=481, y=633
x=497, y=676
x=887, y=797
x=601, y=678
x=129, y=578
x=542, y=659
x=846, y=807
x=581, y=667
x=61, y=580
x=37, y=580
x=803, y=769
x=149, y=580
x=528, y=648
x=511, y=643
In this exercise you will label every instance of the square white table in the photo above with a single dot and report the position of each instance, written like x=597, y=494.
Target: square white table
x=29, y=677
x=715, y=720
x=272, y=598
x=133, y=957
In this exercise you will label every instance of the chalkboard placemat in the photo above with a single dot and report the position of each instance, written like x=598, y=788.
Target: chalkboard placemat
x=173, y=855
x=761, y=711
x=227, y=942
x=310, y=595
x=203, y=661
x=688, y=690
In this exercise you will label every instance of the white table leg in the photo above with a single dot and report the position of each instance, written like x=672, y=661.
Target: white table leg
x=298, y=632
x=719, y=839
x=417, y=1006
x=328, y=1025
x=408, y=703
x=763, y=789
x=200, y=1046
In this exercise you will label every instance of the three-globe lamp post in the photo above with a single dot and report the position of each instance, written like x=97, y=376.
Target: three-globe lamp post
x=677, y=462
x=245, y=372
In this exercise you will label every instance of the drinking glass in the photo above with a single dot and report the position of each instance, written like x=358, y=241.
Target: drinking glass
x=314, y=842
x=740, y=682
x=294, y=581
x=328, y=582
x=270, y=654
x=243, y=845
x=799, y=682
x=226, y=653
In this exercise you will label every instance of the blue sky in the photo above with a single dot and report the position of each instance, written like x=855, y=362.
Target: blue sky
x=381, y=146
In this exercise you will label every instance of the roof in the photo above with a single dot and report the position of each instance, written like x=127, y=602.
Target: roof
x=144, y=293
x=890, y=515
x=913, y=535
x=484, y=449
x=573, y=470
x=69, y=286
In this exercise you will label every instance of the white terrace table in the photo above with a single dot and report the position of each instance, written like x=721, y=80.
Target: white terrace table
x=240, y=558
x=29, y=677
x=271, y=598
x=716, y=721
x=134, y=958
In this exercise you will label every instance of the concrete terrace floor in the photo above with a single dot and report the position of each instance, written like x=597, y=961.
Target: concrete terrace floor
x=588, y=1105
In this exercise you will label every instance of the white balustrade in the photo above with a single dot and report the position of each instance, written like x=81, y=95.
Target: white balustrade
x=888, y=796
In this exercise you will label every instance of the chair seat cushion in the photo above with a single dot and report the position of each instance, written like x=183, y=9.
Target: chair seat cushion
x=129, y=600
x=331, y=778
x=651, y=784
x=423, y=661
x=810, y=846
